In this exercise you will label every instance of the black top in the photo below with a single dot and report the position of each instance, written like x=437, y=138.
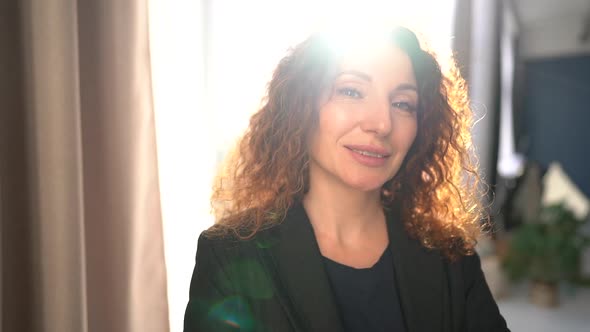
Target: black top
x=367, y=298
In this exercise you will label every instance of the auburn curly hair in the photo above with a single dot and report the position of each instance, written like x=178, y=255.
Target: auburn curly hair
x=437, y=184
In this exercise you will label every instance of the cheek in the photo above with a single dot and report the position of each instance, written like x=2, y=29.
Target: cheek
x=334, y=123
x=413, y=133
x=406, y=134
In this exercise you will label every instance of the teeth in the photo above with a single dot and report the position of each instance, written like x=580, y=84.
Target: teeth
x=367, y=153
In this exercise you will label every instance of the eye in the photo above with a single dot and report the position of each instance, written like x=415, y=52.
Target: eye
x=404, y=106
x=349, y=92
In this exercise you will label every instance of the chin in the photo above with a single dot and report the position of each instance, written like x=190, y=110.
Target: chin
x=366, y=185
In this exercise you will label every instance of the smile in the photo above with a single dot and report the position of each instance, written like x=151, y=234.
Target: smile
x=369, y=154
x=372, y=151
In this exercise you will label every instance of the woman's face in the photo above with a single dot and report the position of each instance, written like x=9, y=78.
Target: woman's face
x=367, y=120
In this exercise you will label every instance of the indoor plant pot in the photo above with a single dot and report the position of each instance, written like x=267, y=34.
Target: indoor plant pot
x=546, y=252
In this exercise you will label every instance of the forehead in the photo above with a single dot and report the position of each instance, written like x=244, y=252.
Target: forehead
x=381, y=62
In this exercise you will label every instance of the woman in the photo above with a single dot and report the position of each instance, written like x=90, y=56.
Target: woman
x=350, y=203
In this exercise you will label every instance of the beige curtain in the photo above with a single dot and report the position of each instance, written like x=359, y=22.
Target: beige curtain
x=82, y=246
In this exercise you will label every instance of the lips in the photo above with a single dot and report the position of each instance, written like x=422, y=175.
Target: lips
x=368, y=155
x=369, y=150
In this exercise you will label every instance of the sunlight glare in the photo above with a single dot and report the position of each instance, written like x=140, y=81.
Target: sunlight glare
x=211, y=62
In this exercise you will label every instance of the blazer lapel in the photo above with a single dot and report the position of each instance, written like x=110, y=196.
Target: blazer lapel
x=301, y=273
x=420, y=278
x=305, y=290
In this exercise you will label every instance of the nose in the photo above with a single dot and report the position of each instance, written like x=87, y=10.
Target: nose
x=377, y=118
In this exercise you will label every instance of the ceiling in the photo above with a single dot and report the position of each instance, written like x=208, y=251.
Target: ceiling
x=533, y=11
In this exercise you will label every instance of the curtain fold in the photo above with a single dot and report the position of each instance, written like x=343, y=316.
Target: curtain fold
x=15, y=232
x=55, y=164
x=91, y=228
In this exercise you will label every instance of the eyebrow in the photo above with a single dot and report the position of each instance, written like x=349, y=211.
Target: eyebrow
x=406, y=86
x=368, y=78
x=358, y=74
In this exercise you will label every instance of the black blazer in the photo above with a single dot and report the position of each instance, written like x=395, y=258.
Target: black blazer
x=277, y=282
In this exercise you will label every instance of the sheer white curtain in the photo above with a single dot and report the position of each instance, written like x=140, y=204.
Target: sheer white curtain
x=211, y=61
x=210, y=65
x=185, y=138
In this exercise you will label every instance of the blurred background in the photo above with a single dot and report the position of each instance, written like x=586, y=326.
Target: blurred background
x=115, y=114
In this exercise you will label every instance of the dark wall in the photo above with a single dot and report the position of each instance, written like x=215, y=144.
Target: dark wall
x=556, y=117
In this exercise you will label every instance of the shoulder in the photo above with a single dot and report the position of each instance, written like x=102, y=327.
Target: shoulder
x=215, y=244
x=238, y=265
x=469, y=264
x=225, y=243
x=229, y=274
x=481, y=311
x=466, y=268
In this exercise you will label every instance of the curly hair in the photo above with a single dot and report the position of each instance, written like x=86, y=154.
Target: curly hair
x=437, y=184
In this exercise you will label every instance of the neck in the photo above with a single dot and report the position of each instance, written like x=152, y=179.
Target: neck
x=340, y=212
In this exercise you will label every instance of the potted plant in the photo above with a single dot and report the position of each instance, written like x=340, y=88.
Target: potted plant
x=546, y=252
